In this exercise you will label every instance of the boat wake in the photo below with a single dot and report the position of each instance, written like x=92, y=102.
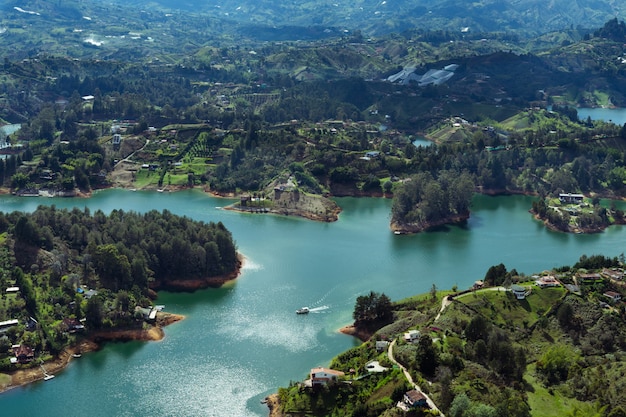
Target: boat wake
x=318, y=309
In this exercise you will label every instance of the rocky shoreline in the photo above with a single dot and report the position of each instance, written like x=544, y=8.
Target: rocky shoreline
x=273, y=400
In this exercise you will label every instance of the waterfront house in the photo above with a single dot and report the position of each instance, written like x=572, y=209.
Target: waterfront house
x=72, y=325
x=24, y=354
x=570, y=198
x=478, y=284
x=323, y=376
x=414, y=399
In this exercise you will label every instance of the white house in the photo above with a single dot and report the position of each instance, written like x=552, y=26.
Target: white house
x=518, y=291
x=322, y=376
x=412, y=336
x=571, y=198
x=547, y=281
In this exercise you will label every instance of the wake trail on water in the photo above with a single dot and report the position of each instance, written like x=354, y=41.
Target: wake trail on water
x=318, y=309
x=324, y=297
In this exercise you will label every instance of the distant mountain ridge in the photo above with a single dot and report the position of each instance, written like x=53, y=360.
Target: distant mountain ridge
x=375, y=17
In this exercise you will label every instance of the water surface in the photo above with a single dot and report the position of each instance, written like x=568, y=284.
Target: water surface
x=242, y=342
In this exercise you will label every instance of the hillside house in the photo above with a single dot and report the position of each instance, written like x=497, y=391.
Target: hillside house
x=117, y=140
x=590, y=278
x=381, y=345
x=613, y=296
x=518, y=291
x=615, y=274
x=411, y=336
x=478, y=284
x=324, y=376
x=414, y=399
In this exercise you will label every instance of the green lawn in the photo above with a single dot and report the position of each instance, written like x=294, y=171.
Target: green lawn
x=504, y=309
x=548, y=402
x=145, y=177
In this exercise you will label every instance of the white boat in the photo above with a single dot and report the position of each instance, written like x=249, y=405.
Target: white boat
x=303, y=310
x=48, y=377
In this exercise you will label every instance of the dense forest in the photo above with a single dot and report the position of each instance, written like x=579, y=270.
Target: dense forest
x=73, y=265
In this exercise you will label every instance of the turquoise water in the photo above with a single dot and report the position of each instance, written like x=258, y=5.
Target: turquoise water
x=242, y=342
x=617, y=116
x=421, y=141
x=10, y=129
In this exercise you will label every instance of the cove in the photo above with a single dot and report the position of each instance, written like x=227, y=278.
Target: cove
x=241, y=342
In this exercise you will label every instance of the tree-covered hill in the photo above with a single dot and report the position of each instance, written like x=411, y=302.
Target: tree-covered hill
x=74, y=265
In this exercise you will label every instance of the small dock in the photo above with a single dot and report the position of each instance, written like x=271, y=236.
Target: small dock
x=46, y=375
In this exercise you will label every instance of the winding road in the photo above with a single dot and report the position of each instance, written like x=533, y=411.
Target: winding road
x=409, y=378
x=445, y=302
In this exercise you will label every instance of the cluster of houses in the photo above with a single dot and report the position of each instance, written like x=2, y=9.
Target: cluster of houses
x=416, y=399
x=549, y=281
x=321, y=376
x=23, y=353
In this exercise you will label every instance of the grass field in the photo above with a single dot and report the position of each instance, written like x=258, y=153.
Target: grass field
x=546, y=402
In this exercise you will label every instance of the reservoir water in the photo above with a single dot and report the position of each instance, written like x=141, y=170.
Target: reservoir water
x=241, y=342
x=614, y=115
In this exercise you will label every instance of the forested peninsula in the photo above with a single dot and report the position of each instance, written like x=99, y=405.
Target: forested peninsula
x=550, y=344
x=71, y=279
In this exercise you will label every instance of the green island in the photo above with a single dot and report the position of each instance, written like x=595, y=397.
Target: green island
x=71, y=280
x=550, y=344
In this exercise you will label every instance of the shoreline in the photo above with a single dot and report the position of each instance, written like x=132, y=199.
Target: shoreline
x=273, y=400
x=91, y=343
x=201, y=283
x=352, y=330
